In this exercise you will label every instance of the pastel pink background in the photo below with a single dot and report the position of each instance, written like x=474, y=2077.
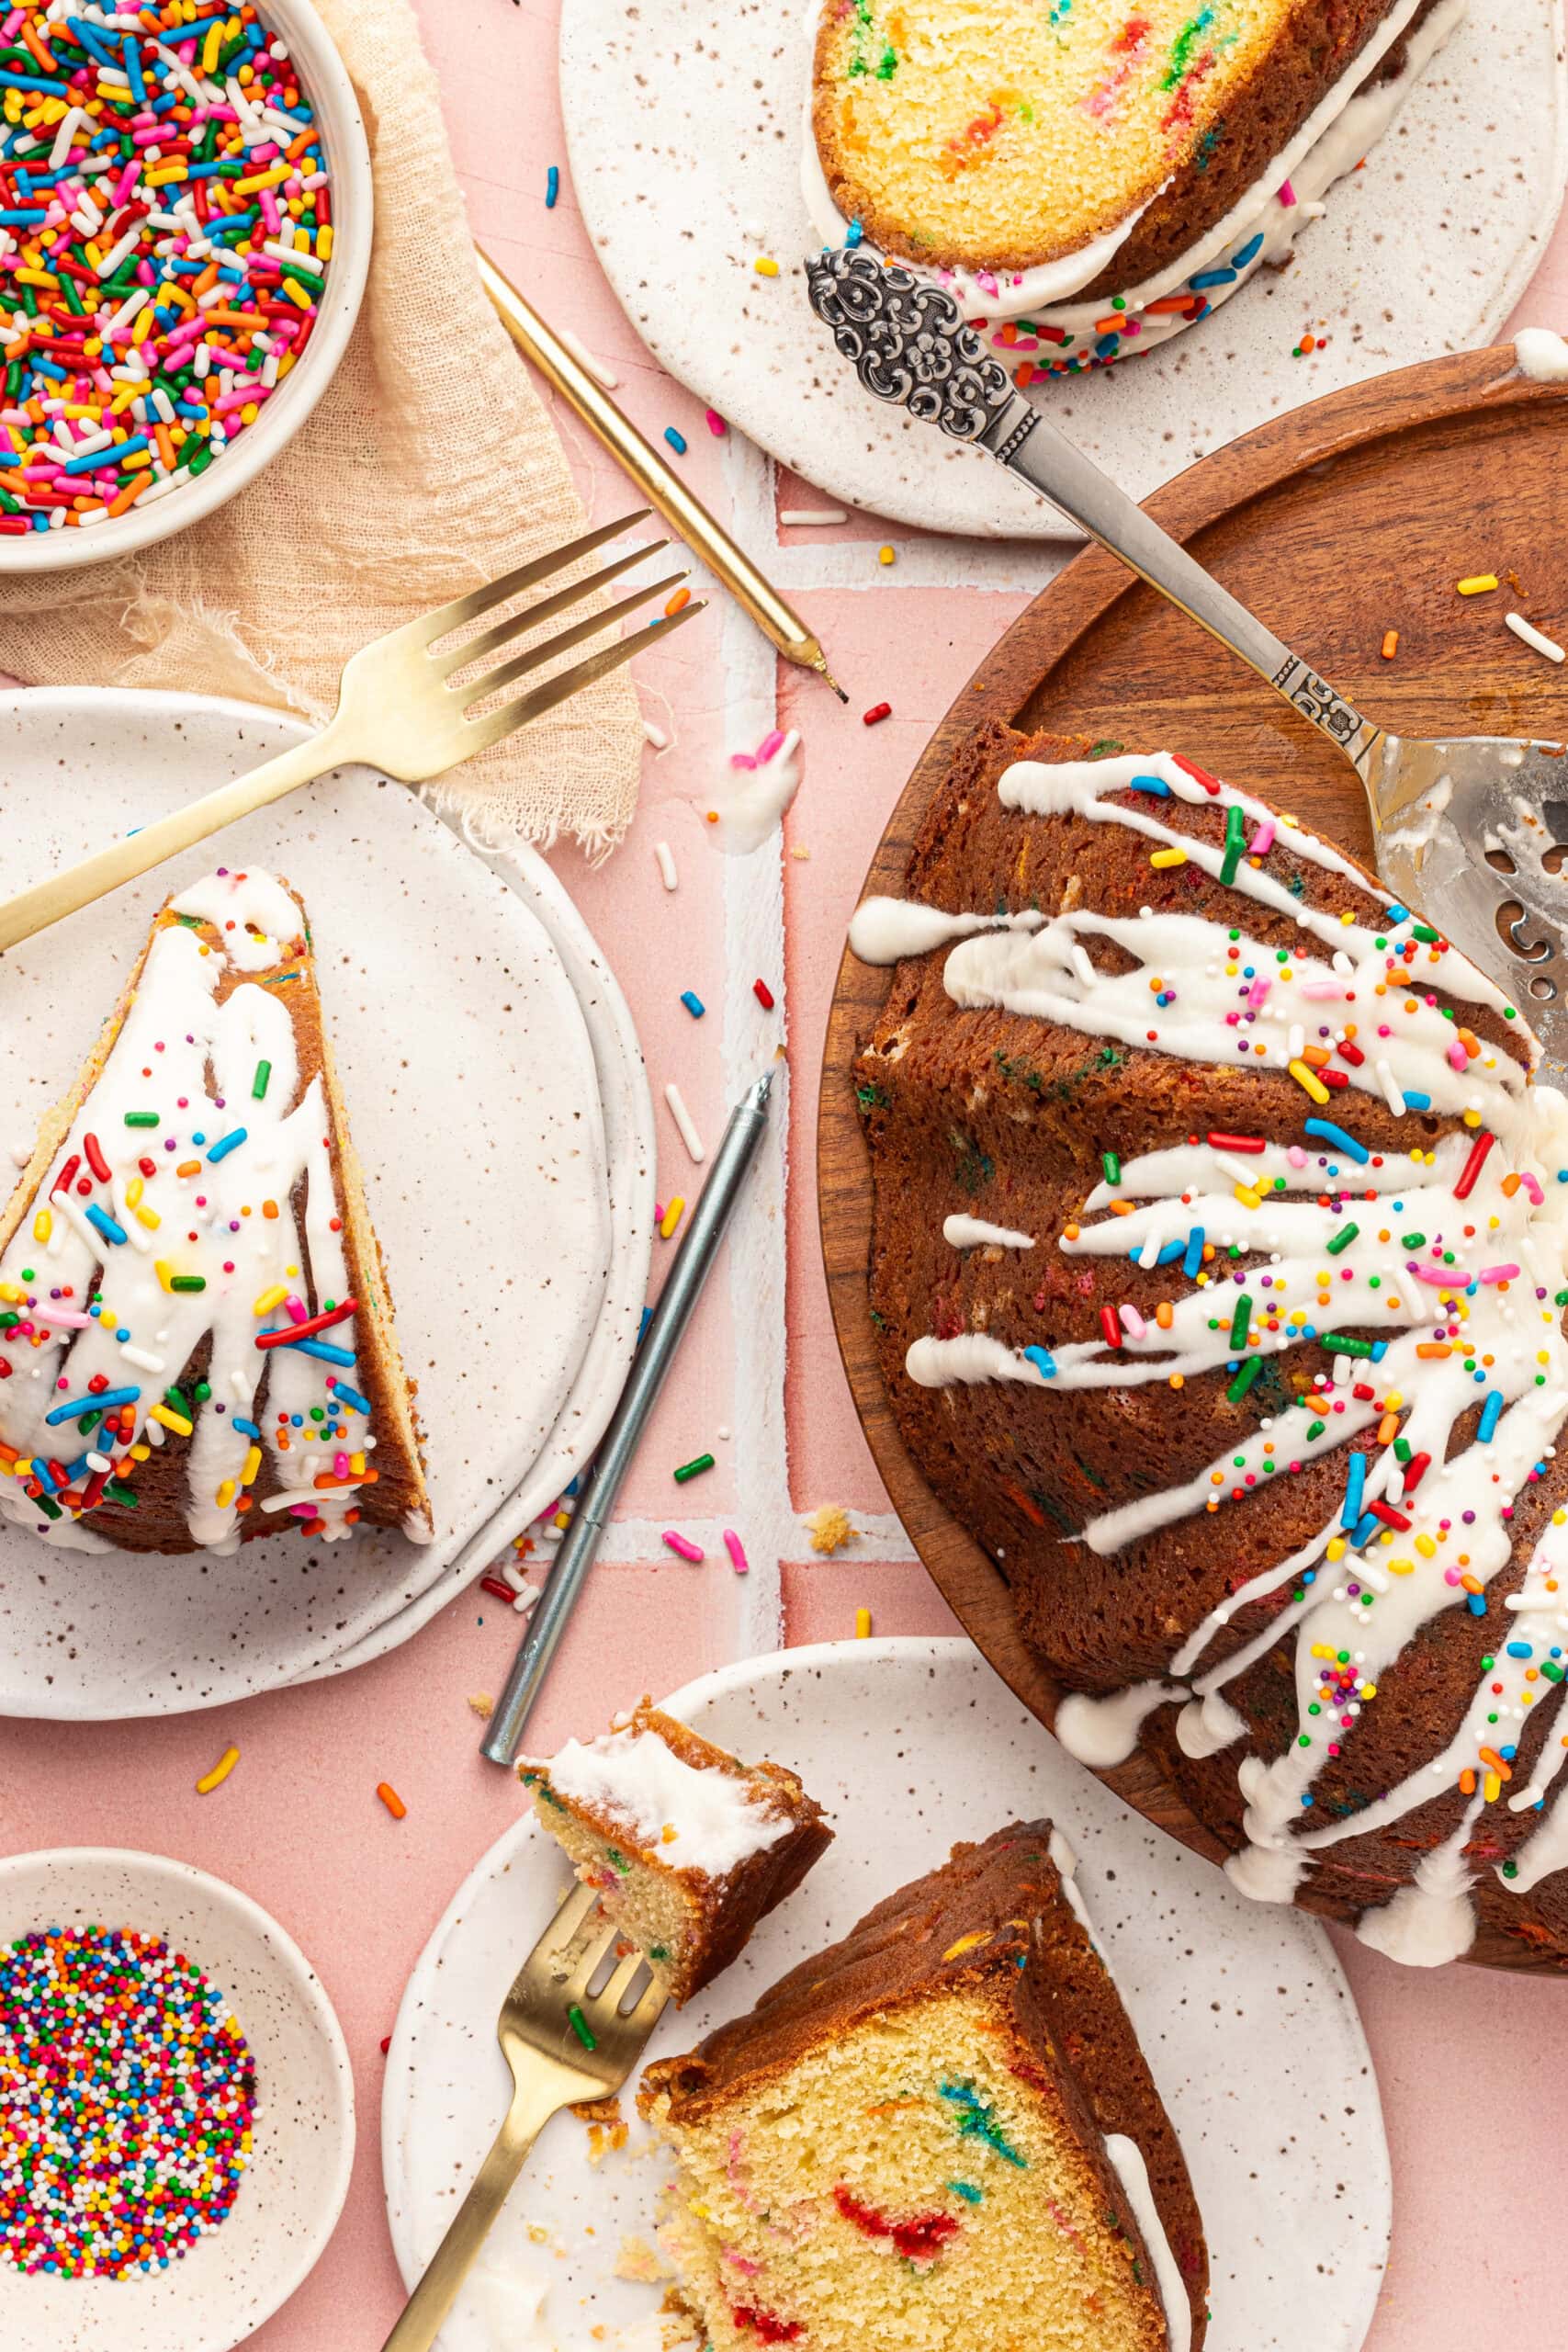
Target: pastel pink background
x=1471, y=2066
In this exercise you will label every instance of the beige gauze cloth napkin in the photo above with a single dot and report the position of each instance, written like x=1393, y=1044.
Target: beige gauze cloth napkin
x=429, y=466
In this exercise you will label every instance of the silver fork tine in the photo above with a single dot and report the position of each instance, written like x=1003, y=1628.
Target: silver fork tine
x=499, y=724
x=475, y=647
x=474, y=690
x=430, y=625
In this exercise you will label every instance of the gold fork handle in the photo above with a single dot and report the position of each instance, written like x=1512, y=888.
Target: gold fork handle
x=437, y=2291
x=33, y=910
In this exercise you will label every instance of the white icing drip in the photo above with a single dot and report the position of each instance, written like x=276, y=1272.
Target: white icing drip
x=1541, y=356
x=1456, y=1262
x=181, y=1055
x=1127, y=2158
x=636, y=1779
x=1347, y=122
x=974, y=1233
x=1103, y=1732
x=1432, y=1920
x=884, y=931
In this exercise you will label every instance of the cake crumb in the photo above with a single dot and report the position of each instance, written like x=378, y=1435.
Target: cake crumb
x=831, y=1529
x=606, y=2131
x=798, y=851
x=482, y=1705
x=641, y=2261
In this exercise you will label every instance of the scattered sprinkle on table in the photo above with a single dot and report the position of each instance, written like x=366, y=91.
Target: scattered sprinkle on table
x=694, y=1469
x=878, y=711
x=219, y=1772
x=654, y=734
x=886, y=555
x=552, y=186
x=692, y=1003
x=497, y=1590
x=127, y=2098
x=1532, y=636
x=677, y=440
x=765, y=266
x=717, y=424
x=680, y=1546
x=678, y=602
x=1390, y=643
x=672, y=1217
x=584, y=358
x=1480, y=584
x=684, y=1120
x=763, y=995
x=801, y=518
x=863, y=1625
x=168, y=235
x=392, y=1800
x=665, y=856
x=737, y=1551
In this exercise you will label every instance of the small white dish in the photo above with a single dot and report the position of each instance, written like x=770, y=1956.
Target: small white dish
x=325, y=78
x=292, y=2192
x=1243, y=2015
x=475, y=1104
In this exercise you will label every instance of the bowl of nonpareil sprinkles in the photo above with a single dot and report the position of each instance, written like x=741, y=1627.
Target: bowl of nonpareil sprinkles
x=184, y=230
x=177, y=2114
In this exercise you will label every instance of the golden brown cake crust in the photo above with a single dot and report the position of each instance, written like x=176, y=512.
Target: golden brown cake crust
x=967, y=1926
x=1206, y=174
x=1016, y=1114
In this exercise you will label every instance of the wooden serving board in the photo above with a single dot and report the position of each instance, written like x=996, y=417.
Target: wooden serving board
x=1335, y=524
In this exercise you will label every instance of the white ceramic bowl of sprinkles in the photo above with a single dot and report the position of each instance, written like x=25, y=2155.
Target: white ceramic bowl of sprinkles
x=185, y=235
x=291, y=2192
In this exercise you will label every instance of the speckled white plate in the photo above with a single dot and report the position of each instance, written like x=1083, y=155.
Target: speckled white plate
x=1243, y=2012
x=475, y=1104
x=683, y=131
x=292, y=2193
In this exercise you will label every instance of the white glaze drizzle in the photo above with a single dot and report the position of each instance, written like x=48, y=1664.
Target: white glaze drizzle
x=1127, y=2159
x=961, y=1232
x=1541, y=356
x=1458, y=1261
x=227, y=1223
x=1346, y=123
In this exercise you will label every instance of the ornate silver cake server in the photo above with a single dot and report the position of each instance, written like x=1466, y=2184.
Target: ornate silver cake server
x=1468, y=827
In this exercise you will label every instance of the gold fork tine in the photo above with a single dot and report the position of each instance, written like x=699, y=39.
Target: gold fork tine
x=499, y=724
x=505, y=673
x=474, y=648
x=446, y=618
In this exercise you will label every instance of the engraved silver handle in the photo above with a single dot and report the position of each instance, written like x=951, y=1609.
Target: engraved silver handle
x=909, y=345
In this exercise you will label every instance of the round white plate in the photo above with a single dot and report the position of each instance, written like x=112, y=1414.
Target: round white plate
x=1243, y=2015
x=684, y=126
x=474, y=1102
x=292, y=2192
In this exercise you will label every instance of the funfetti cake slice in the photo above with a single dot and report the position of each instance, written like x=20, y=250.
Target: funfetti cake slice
x=196, y=1334
x=1101, y=173
x=688, y=1847
x=940, y=2135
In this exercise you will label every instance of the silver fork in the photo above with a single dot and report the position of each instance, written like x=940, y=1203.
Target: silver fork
x=563, y=2044
x=1470, y=826
x=406, y=705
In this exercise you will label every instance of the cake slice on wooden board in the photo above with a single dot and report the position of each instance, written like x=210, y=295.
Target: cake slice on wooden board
x=940, y=2135
x=688, y=1847
x=1108, y=174
x=196, y=1342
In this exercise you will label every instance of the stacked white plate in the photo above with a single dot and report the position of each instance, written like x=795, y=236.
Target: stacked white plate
x=497, y=1100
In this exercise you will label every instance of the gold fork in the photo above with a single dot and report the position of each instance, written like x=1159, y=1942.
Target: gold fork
x=404, y=706
x=562, y=2044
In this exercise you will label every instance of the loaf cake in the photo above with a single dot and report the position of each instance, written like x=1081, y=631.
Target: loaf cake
x=688, y=1847
x=940, y=2135
x=1103, y=174
x=195, y=1335
x=1218, y=1282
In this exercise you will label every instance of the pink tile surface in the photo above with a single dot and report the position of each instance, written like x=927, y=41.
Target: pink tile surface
x=1466, y=2061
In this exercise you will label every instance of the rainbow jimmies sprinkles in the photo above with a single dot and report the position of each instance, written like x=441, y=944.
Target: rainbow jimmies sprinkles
x=165, y=233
